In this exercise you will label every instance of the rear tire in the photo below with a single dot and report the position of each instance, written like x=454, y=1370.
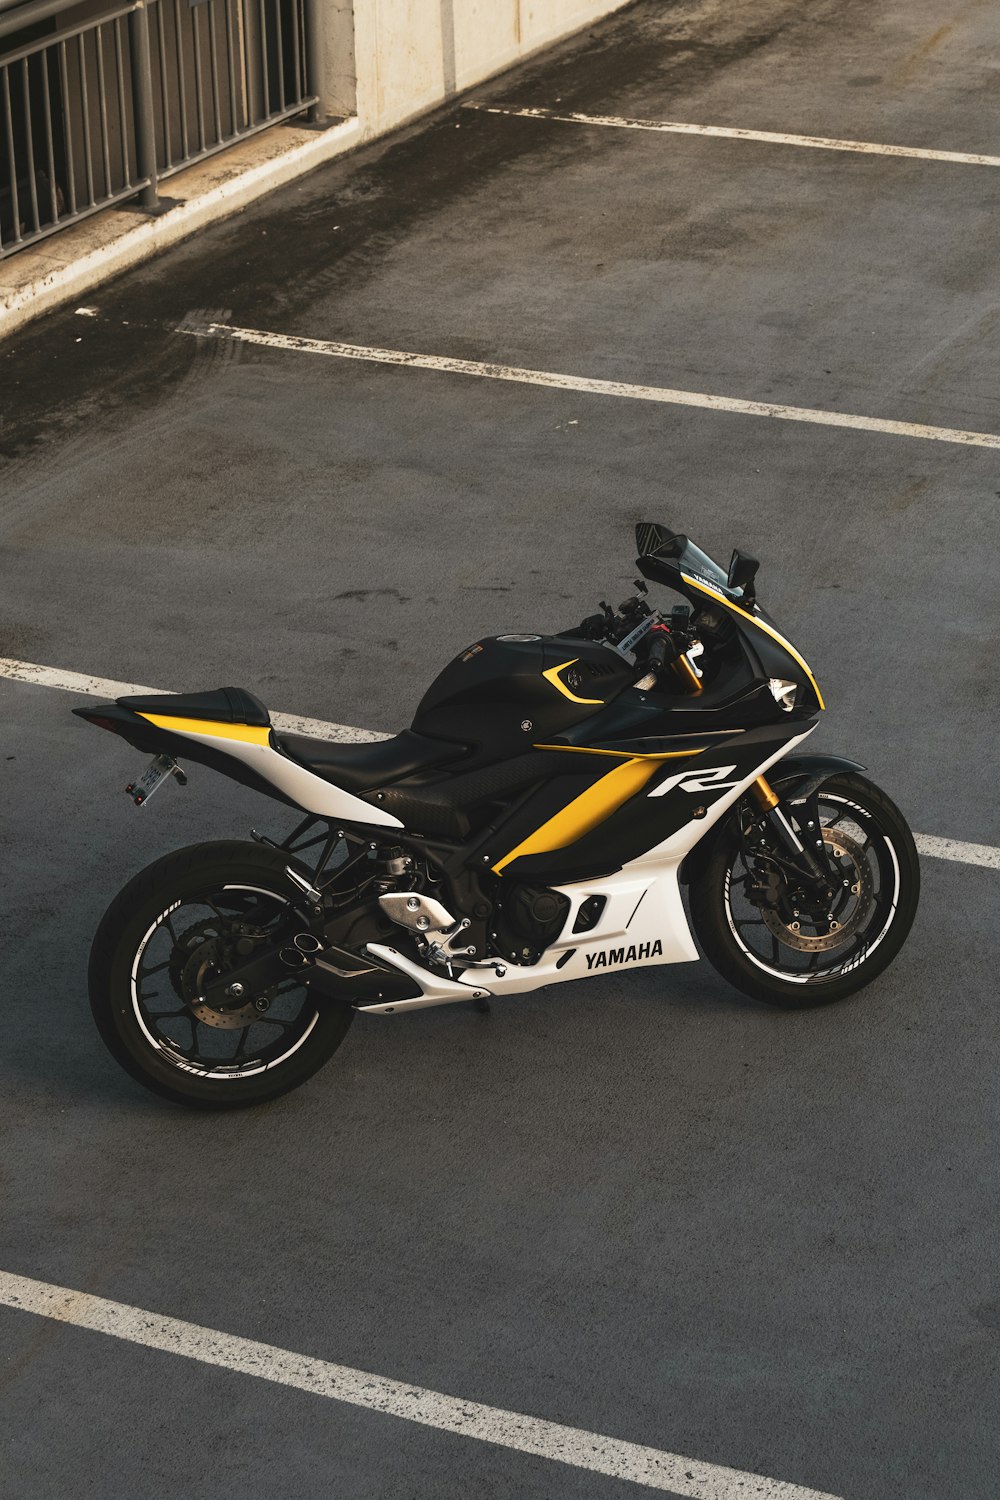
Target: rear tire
x=776, y=966
x=181, y=912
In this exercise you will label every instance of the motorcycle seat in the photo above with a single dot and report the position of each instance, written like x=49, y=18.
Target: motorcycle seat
x=229, y=705
x=364, y=767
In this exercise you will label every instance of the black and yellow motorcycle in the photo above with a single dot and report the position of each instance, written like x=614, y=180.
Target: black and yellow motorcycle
x=537, y=823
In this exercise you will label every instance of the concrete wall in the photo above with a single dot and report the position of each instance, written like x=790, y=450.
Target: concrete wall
x=389, y=60
x=382, y=63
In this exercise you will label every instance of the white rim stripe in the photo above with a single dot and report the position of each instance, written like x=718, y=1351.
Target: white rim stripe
x=819, y=976
x=655, y=1468
x=219, y=1075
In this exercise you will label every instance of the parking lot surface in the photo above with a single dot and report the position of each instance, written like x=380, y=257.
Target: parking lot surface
x=641, y=1206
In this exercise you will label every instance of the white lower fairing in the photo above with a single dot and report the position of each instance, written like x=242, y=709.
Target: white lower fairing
x=643, y=921
x=304, y=788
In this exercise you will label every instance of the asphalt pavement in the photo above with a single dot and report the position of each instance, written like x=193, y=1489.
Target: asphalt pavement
x=640, y=1205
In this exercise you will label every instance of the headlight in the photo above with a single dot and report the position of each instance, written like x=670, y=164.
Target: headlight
x=784, y=693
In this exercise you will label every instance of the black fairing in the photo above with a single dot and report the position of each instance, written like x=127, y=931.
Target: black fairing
x=495, y=694
x=227, y=705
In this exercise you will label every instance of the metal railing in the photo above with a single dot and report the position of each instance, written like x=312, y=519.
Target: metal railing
x=225, y=68
x=98, y=112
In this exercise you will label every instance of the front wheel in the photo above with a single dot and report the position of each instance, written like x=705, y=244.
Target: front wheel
x=159, y=961
x=771, y=938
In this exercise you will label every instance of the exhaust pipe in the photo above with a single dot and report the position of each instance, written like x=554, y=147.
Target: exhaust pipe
x=351, y=978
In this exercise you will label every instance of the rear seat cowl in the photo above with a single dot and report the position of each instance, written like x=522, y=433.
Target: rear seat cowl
x=227, y=705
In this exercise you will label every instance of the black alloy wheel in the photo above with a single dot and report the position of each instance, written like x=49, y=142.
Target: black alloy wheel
x=776, y=939
x=158, y=972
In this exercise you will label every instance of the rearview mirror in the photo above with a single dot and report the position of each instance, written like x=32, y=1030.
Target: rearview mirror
x=742, y=572
x=653, y=540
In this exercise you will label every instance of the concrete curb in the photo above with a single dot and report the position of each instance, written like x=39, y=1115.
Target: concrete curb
x=60, y=270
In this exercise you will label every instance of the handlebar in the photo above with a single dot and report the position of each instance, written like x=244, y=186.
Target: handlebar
x=633, y=625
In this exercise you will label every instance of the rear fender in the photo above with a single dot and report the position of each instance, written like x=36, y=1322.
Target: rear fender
x=795, y=779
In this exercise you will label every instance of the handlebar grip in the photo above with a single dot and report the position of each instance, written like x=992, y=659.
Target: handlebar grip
x=663, y=650
x=658, y=652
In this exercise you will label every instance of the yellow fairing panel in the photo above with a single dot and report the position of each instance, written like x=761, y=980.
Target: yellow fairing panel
x=623, y=754
x=250, y=734
x=251, y=745
x=586, y=811
x=552, y=675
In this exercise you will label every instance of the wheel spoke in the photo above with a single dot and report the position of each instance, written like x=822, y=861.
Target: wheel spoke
x=212, y=920
x=195, y=1023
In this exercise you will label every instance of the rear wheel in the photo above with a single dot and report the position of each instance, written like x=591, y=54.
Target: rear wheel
x=774, y=940
x=169, y=939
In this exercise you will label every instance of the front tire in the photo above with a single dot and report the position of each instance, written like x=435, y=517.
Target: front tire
x=177, y=926
x=796, y=958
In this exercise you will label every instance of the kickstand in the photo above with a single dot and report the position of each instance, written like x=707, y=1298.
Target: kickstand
x=482, y=1005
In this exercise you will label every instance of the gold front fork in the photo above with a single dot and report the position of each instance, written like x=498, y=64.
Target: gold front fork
x=765, y=793
x=687, y=674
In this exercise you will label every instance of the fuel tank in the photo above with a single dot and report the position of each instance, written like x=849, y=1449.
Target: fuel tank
x=514, y=691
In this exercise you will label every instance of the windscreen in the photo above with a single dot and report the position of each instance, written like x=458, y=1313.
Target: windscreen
x=692, y=560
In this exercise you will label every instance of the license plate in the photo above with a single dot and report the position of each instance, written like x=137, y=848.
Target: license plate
x=159, y=770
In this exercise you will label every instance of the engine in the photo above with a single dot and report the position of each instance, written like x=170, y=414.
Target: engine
x=527, y=918
x=383, y=892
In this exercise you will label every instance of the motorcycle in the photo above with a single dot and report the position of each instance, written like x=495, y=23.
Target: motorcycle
x=538, y=823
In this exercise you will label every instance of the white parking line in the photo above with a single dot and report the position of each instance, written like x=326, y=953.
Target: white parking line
x=985, y=855
x=652, y=1467
x=737, y=133
x=664, y=395
x=104, y=687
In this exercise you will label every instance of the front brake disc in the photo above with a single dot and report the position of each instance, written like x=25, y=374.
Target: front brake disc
x=854, y=902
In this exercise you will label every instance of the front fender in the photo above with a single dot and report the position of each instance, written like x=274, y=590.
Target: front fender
x=796, y=779
x=801, y=775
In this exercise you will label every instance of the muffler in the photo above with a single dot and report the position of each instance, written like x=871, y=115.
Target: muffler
x=353, y=978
